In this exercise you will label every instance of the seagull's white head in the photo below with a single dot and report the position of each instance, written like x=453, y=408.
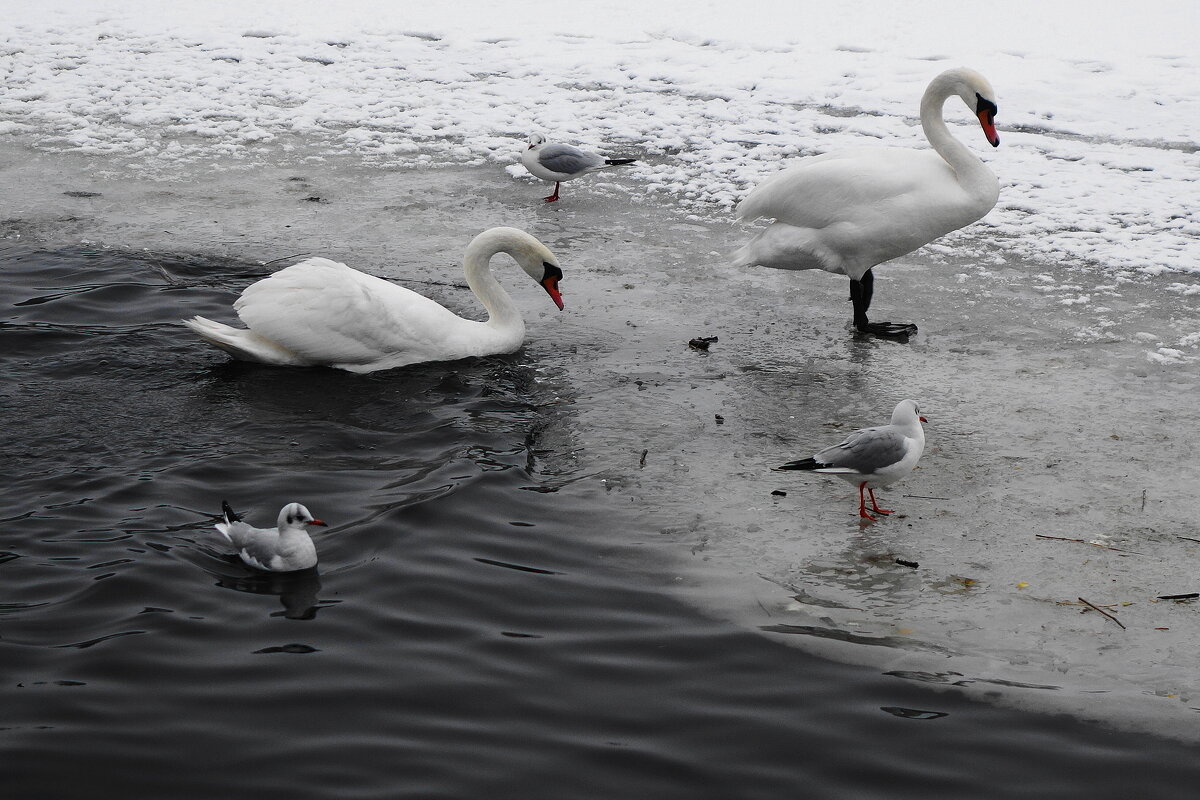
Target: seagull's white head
x=295, y=515
x=536, y=140
x=907, y=412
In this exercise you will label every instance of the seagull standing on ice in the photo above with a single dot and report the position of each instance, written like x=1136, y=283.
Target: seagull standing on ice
x=873, y=457
x=562, y=162
x=285, y=548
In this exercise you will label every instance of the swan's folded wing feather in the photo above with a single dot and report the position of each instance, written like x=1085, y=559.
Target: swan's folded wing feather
x=867, y=450
x=329, y=313
x=825, y=189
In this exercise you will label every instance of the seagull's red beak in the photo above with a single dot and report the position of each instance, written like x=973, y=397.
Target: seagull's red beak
x=987, y=119
x=550, y=284
x=316, y=522
x=922, y=419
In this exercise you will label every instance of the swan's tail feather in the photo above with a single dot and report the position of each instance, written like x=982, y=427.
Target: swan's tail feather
x=744, y=257
x=241, y=344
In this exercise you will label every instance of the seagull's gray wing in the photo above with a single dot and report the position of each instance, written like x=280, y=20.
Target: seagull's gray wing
x=567, y=159
x=866, y=450
x=256, y=546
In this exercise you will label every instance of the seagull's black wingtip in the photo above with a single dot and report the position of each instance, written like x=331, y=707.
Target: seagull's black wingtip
x=803, y=463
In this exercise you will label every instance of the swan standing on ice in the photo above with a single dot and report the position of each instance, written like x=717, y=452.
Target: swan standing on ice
x=322, y=313
x=562, y=162
x=848, y=212
x=284, y=548
x=873, y=457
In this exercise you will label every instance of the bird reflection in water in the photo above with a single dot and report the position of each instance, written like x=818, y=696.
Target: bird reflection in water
x=297, y=591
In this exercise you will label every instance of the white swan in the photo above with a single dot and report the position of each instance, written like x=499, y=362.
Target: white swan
x=563, y=162
x=847, y=212
x=322, y=313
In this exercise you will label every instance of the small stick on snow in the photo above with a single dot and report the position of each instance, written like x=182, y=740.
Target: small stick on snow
x=1102, y=611
x=1085, y=541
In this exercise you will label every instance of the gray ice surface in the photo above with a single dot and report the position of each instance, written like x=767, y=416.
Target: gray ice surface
x=1045, y=418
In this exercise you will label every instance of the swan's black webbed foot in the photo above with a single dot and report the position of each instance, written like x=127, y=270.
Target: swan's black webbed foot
x=891, y=330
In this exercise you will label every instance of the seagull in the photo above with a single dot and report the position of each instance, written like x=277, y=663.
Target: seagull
x=848, y=212
x=562, y=162
x=286, y=548
x=873, y=457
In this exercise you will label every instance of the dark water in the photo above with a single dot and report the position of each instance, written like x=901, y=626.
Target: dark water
x=474, y=630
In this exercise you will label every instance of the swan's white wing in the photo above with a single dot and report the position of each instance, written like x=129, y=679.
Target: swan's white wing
x=328, y=313
x=847, y=212
x=857, y=186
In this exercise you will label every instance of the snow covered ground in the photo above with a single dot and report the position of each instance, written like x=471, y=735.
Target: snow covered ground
x=1098, y=100
x=1057, y=363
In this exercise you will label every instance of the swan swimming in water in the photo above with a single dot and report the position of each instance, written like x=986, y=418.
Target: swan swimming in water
x=322, y=313
x=846, y=212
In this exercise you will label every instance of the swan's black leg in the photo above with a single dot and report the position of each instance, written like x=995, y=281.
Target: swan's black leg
x=861, y=291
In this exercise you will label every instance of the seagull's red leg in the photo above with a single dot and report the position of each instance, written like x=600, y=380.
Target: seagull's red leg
x=862, y=501
x=554, y=196
x=875, y=506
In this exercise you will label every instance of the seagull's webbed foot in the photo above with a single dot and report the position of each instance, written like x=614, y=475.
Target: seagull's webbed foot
x=551, y=199
x=891, y=330
x=862, y=502
x=875, y=506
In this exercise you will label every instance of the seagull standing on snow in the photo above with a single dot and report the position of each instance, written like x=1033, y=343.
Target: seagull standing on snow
x=562, y=162
x=285, y=548
x=873, y=457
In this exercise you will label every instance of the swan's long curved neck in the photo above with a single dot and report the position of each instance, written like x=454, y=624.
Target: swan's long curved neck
x=502, y=311
x=972, y=174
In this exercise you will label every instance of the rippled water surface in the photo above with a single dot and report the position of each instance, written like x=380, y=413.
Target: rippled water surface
x=476, y=628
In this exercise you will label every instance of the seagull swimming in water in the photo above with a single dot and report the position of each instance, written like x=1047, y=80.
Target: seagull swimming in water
x=285, y=548
x=873, y=457
x=562, y=162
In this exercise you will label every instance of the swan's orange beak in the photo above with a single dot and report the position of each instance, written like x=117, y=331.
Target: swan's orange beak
x=987, y=119
x=550, y=284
